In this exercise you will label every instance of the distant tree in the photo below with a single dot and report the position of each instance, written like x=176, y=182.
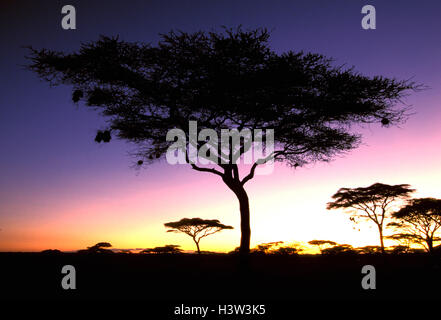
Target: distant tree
x=100, y=247
x=369, y=249
x=321, y=243
x=51, y=251
x=125, y=251
x=231, y=79
x=196, y=228
x=420, y=220
x=276, y=248
x=287, y=250
x=399, y=249
x=209, y=252
x=370, y=203
x=264, y=248
x=167, y=249
x=404, y=239
x=341, y=249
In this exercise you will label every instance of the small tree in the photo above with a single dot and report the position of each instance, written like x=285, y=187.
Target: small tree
x=321, y=243
x=100, y=247
x=404, y=240
x=276, y=248
x=196, y=228
x=341, y=249
x=287, y=250
x=265, y=248
x=370, y=203
x=421, y=220
x=167, y=249
x=51, y=251
x=399, y=249
x=369, y=249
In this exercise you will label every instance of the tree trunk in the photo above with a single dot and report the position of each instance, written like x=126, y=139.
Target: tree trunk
x=245, y=228
x=380, y=230
x=429, y=245
x=244, y=206
x=197, y=246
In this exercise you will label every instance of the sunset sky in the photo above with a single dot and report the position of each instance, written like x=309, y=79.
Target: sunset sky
x=61, y=190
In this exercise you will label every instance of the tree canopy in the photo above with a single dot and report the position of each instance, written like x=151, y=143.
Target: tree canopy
x=341, y=249
x=421, y=221
x=100, y=247
x=371, y=203
x=167, y=249
x=228, y=79
x=196, y=228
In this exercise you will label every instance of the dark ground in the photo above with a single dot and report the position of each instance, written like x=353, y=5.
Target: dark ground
x=214, y=279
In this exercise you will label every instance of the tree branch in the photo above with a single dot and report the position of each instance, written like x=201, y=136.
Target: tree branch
x=250, y=175
x=212, y=170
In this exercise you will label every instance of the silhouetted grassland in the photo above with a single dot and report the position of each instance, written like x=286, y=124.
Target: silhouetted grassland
x=218, y=278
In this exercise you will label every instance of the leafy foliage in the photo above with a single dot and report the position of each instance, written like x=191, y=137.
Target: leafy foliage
x=276, y=248
x=225, y=79
x=287, y=251
x=342, y=249
x=369, y=250
x=265, y=248
x=420, y=220
x=167, y=249
x=100, y=247
x=196, y=228
x=371, y=203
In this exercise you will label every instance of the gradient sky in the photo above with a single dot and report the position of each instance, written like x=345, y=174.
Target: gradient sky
x=59, y=189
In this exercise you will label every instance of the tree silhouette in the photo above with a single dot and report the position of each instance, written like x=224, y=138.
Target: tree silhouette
x=370, y=249
x=196, y=228
x=404, y=239
x=230, y=79
x=421, y=221
x=169, y=248
x=370, y=203
x=287, y=250
x=341, y=249
x=265, y=248
x=276, y=248
x=51, y=251
x=321, y=243
x=100, y=247
x=400, y=249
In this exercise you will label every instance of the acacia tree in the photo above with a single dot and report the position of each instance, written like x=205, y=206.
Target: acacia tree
x=370, y=203
x=321, y=243
x=230, y=79
x=168, y=248
x=196, y=228
x=404, y=240
x=265, y=248
x=420, y=219
x=340, y=249
x=100, y=247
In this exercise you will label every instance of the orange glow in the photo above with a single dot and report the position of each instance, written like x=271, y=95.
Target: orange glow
x=288, y=205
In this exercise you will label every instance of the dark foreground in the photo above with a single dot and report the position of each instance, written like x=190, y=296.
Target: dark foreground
x=214, y=279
